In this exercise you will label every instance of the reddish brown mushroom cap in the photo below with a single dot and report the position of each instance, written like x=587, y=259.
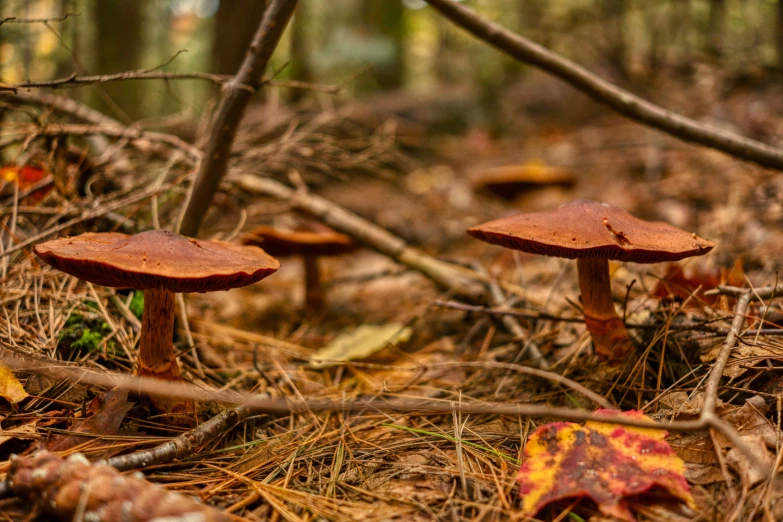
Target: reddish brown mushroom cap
x=157, y=259
x=315, y=240
x=589, y=229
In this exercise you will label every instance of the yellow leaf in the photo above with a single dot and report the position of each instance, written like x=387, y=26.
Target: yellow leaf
x=10, y=388
x=360, y=344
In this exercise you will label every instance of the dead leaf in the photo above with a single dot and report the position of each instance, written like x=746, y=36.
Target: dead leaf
x=26, y=176
x=751, y=473
x=360, y=343
x=703, y=474
x=10, y=387
x=682, y=281
x=113, y=406
x=682, y=404
x=26, y=431
x=749, y=419
x=604, y=462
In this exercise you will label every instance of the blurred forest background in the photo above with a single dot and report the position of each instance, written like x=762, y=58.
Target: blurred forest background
x=391, y=52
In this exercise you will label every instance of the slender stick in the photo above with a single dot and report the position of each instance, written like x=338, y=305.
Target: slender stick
x=622, y=101
x=184, y=444
x=421, y=406
x=230, y=113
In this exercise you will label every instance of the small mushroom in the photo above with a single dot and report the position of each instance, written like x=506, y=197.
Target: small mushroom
x=309, y=240
x=161, y=264
x=508, y=181
x=593, y=233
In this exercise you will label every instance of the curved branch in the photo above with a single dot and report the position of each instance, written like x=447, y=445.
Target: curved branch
x=622, y=101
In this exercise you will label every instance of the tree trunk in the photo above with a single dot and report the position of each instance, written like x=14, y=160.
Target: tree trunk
x=614, y=13
x=779, y=35
x=236, y=22
x=716, y=27
x=119, y=46
x=300, y=54
x=384, y=19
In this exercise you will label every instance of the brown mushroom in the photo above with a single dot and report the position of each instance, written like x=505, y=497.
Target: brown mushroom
x=593, y=233
x=161, y=264
x=309, y=240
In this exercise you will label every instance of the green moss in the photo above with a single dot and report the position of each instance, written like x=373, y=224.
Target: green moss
x=83, y=335
x=136, y=305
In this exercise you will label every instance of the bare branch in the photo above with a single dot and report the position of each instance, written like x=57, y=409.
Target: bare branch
x=62, y=105
x=15, y=20
x=87, y=215
x=176, y=389
x=183, y=445
x=230, y=113
x=622, y=101
x=111, y=131
x=74, y=81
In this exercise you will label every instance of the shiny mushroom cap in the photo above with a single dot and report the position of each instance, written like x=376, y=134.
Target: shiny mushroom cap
x=589, y=229
x=157, y=259
x=312, y=239
x=509, y=180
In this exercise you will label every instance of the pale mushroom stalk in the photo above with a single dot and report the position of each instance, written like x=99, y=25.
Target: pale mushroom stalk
x=606, y=328
x=314, y=294
x=156, y=347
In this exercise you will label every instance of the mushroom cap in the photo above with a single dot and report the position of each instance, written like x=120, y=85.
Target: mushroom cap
x=313, y=239
x=157, y=259
x=589, y=229
x=509, y=180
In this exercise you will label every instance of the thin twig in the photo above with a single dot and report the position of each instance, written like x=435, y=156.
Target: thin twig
x=56, y=129
x=74, y=81
x=702, y=326
x=87, y=215
x=423, y=406
x=15, y=20
x=622, y=101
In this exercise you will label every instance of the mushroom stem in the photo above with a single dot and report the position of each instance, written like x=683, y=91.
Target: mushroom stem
x=610, y=337
x=314, y=295
x=156, y=348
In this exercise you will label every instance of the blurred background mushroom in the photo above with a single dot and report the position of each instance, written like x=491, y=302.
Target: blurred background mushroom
x=310, y=240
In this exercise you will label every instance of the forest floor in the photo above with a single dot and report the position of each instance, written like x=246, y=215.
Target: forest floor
x=388, y=466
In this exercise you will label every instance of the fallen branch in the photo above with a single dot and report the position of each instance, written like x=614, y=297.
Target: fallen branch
x=230, y=113
x=634, y=107
x=112, y=131
x=182, y=390
x=701, y=326
x=62, y=105
x=184, y=444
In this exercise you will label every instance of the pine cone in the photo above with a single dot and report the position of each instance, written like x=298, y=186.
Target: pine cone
x=63, y=487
